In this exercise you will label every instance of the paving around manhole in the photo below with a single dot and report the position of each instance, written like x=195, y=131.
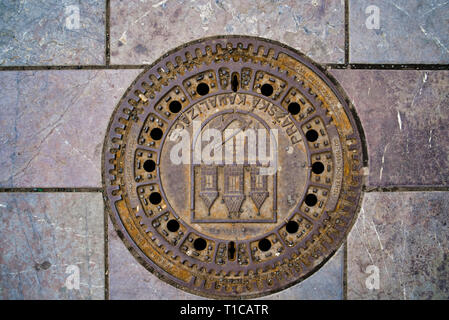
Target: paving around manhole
x=233, y=167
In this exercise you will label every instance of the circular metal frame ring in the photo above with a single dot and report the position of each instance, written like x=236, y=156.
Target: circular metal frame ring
x=232, y=167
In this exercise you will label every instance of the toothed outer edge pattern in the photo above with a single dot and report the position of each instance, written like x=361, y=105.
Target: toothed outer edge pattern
x=158, y=76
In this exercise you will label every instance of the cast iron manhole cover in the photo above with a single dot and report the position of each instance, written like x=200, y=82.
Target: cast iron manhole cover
x=232, y=167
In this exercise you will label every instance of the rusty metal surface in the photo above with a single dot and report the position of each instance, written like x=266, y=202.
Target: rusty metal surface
x=226, y=231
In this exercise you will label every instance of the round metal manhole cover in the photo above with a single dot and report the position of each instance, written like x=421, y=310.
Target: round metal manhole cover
x=232, y=167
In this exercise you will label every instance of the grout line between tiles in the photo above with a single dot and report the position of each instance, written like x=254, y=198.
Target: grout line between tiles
x=74, y=67
x=354, y=66
x=404, y=188
x=107, y=33
x=346, y=32
x=105, y=212
x=387, y=66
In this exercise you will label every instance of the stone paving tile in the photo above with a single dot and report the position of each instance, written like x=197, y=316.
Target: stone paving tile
x=410, y=31
x=142, y=31
x=44, y=238
x=405, y=116
x=324, y=284
x=128, y=279
x=406, y=236
x=53, y=125
x=56, y=32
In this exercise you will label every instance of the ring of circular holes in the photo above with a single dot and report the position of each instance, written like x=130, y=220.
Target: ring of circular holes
x=317, y=167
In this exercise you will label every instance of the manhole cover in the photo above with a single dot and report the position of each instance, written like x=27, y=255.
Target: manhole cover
x=232, y=167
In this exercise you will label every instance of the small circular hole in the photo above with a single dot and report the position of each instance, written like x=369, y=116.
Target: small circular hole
x=264, y=244
x=311, y=200
x=266, y=89
x=202, y=89
x=149, y=165
x=199, y=244
x=311, y=135
x=317, y=167
x=173, y=225
x=294, y=108
x=156, y=134
x=175, y=106
x=292, y=227
x=155, y=198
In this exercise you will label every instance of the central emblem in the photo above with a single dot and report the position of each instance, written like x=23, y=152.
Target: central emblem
x=240, y=187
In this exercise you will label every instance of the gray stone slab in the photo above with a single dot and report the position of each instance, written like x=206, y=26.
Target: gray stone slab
x=53, y=123
x=324, y=284
x=43, y=32
x=405, y=235
x=142, y=31
x=45, y=240
x=128, y=279
x=405, y=116
x=410, y=31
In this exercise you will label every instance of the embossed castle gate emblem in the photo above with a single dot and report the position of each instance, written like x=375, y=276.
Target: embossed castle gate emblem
x=232, y=167
x=237, y=191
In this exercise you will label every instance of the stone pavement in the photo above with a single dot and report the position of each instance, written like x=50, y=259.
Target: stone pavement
x=64, y=65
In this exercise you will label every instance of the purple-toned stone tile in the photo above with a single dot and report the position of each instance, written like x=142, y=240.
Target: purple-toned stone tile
x=142, y=31
x=128, y=279
x=46, y=241
x=324, y=284
x=53, y=125
x=403, y=238
x=42, y=32
x=405, y=116
x=409, y=31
